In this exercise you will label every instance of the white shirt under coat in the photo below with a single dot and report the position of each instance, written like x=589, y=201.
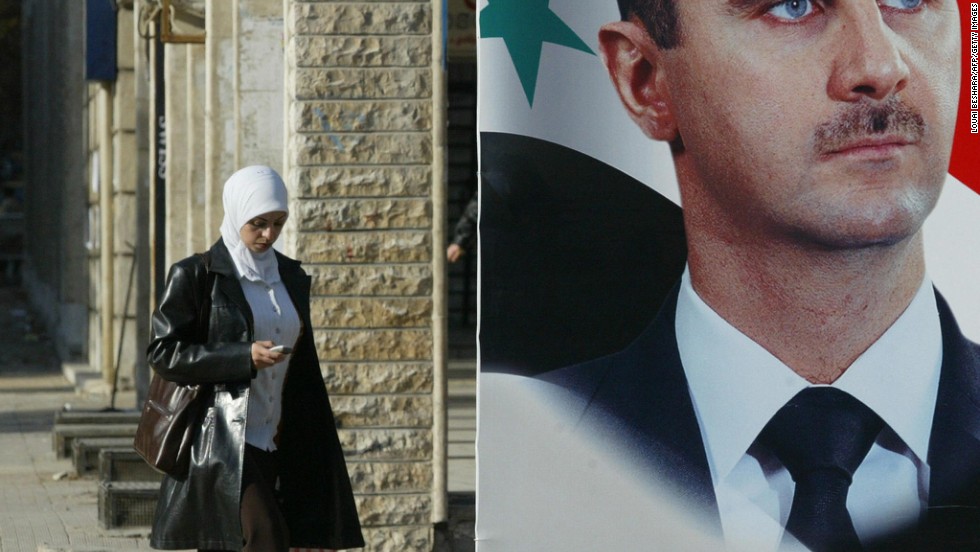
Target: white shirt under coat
x=735, y=395
x=275, y=319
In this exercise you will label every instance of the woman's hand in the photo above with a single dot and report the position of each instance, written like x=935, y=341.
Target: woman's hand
x=262, y=357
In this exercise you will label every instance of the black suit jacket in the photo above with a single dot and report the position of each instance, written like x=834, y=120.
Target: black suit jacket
x=638, y=399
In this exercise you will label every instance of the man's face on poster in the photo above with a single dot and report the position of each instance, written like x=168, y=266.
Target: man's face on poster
x=824, y=122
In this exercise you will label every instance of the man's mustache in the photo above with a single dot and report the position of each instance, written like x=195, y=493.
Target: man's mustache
x=865, y=119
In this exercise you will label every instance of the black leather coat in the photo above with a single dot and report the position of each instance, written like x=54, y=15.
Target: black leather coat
x=202, y=511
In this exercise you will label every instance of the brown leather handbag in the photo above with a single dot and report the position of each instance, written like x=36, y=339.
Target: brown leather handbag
x=167, y=426
x=172, y=411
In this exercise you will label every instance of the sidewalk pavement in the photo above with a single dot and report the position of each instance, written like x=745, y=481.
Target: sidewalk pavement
x=44, y=506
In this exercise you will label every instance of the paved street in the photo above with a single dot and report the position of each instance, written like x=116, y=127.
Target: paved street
x=43, y=506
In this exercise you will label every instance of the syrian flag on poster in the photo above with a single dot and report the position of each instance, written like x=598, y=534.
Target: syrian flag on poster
x=953, y=231
x=573, y=188
x=580, y=232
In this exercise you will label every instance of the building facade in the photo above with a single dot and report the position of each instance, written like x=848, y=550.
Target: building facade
x=349, y=101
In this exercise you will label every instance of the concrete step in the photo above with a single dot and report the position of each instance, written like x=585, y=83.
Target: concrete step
x=123, y=464
x=63, y=435
x=92, y=417
x=85, y=451
x=79, y=374
x=126, y=504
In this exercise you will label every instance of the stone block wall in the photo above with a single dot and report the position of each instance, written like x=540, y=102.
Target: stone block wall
x=359, y=155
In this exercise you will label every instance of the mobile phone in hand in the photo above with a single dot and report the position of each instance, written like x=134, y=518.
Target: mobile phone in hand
x=281, y=349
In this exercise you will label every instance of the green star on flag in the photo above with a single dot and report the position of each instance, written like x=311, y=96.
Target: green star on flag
x=525, y=25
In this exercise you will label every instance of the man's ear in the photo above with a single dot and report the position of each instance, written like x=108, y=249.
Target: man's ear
x=633, y=61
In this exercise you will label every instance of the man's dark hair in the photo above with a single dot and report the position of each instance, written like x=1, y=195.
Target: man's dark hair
x=658, y=16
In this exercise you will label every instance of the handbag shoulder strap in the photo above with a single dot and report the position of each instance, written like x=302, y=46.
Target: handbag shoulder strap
x=204, y=316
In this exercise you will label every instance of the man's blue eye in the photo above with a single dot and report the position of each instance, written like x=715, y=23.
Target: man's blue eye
x=796, y=9
x=902, y=4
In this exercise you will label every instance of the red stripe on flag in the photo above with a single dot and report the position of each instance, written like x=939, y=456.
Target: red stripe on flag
x=965, y=162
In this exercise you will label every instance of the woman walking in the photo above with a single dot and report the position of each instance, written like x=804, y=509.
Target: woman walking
x=267, y=470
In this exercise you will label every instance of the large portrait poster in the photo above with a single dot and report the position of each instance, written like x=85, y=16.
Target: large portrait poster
x=594, y=432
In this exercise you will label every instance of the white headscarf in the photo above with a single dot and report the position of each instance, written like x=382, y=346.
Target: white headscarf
x=248, y=193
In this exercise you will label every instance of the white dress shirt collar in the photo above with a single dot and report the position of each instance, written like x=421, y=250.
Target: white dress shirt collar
x=735, y=395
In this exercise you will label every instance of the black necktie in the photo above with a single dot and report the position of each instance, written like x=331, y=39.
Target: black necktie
x=822, y=435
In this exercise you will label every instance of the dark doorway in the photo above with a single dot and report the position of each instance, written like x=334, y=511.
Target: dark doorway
x=462, y=186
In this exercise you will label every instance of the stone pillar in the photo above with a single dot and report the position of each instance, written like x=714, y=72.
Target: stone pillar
x=178, y=163
x=359, y=163
x=261, y=87
x=125, y=174
x=186, y=73
x=56, y=259
x=221, y=107
x=244, y=98
x=145, y=150
x=94, y=177
x=67, y=169
x=196, y=206
x=113, y=158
